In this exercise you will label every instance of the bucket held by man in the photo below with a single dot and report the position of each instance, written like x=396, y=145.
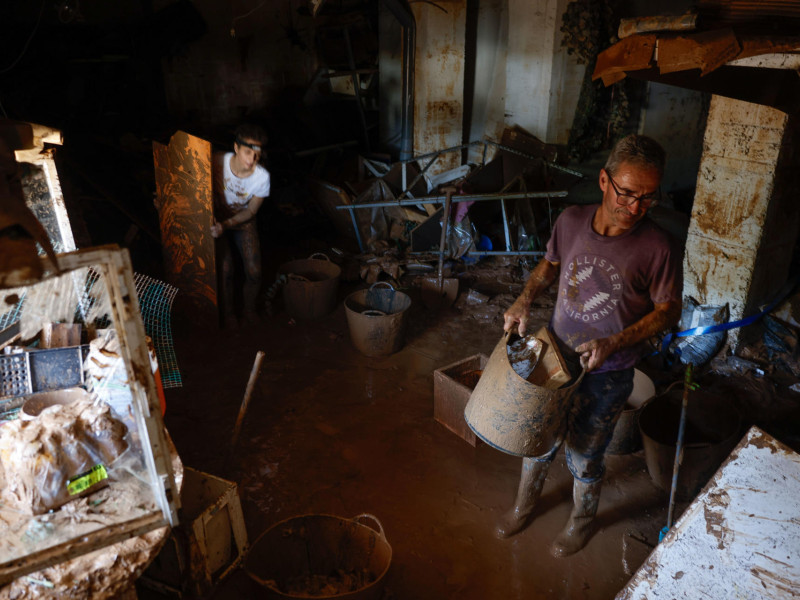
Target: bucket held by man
x=511, y=413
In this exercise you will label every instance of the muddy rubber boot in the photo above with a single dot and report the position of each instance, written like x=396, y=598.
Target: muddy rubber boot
x=531, y=483
x=574, y=536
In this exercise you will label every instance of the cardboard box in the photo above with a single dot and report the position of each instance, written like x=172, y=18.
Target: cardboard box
x=207, y=545
x=552, y=371
x=452, y=387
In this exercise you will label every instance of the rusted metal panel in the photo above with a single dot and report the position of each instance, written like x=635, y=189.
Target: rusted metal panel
x=740, y=538
x=185, y=207
x=439, y=81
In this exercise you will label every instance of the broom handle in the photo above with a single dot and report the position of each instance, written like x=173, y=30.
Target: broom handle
x=679, y=444
x=251, y=383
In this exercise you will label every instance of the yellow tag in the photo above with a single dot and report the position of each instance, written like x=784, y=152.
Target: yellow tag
x=84, y=481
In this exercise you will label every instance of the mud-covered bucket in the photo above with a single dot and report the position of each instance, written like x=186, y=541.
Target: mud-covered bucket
x=513, y=414
x=376, y=318
x=311, y=286
x=627, y=438
x=321, y=556
x=711, y=432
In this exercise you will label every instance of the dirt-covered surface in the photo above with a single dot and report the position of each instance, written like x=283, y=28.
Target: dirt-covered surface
x=332, y=431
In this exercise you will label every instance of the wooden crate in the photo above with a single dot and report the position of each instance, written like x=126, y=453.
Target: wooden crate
x=452, y=387
x=208, y=544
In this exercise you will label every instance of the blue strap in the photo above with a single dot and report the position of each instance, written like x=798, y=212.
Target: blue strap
x=732, y=325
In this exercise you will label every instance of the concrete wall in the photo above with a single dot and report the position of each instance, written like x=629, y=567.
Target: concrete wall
x=676, y=118
x=221, y=78
x=542, y=81
x=743, y=226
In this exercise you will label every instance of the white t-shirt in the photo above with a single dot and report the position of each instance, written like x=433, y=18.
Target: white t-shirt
x=239, y=190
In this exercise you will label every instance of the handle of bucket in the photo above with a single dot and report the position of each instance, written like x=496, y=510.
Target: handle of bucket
x=381, y=283
x=358, y=518
x=295, y=277
x=323, y=255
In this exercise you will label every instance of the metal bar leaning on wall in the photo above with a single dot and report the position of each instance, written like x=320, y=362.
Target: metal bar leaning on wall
x=464, y=198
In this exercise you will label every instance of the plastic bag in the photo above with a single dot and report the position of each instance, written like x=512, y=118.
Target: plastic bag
x=64, y=453
x=699, y=349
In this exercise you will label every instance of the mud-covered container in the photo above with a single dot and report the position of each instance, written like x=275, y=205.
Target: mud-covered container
x=311, y=286
x=321, y=556
x=513, y=414
x=376, y=318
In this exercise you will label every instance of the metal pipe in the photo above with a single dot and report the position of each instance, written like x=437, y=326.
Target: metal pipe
x=355, y=228
x=465, y=198
x=402, y=12
x=505, y=224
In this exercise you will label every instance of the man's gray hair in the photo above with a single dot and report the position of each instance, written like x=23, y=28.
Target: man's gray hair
x=638, y=150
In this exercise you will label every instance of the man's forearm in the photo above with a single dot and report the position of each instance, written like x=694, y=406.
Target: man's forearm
x=540, y=279
x=662, y=317
x=240, y=217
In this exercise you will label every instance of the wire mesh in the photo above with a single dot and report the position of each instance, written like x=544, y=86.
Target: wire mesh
x=155, y=305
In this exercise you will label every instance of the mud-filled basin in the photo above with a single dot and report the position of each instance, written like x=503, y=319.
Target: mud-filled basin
x=321, y=556
x=626, y=438
x=711, y=432
x=35, y=404
x=311, y=286
x=376, y=318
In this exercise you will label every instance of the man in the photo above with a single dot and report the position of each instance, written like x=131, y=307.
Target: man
x=619, y=284
x=240, y=186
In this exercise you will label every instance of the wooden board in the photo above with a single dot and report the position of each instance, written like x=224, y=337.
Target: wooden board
x=452, y=387
x=705, y=51
x=740, y=538
x=185, y=207
x=551, y=372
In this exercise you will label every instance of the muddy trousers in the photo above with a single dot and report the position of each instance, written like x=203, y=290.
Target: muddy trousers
x=596, y=407
x=243, y=241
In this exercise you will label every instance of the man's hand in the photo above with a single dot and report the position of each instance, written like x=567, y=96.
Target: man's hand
x=540, y=279
x=217, y=229
x=595, y=352
x=519, y=312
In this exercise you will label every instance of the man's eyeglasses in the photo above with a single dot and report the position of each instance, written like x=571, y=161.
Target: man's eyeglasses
x=625, y=199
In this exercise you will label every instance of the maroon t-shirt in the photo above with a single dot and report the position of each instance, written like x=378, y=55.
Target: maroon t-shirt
x=607, y=283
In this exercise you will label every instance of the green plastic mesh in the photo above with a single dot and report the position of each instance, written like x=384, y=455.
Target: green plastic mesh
x=155, y=304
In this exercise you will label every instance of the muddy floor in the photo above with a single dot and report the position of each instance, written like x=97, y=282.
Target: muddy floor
x=332, y=431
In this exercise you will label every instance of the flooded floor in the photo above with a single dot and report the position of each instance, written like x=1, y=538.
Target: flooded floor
x=332, y=431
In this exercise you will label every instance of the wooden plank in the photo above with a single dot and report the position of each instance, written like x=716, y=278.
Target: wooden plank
x=185, y=206
x=95, y=540
x=628, y=27
x=631, y=54
x=705, y=51
x=740, y=538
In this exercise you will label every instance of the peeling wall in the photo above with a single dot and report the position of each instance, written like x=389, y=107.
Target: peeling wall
x=736, y=186
x=439, y=80
x=488, y=117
